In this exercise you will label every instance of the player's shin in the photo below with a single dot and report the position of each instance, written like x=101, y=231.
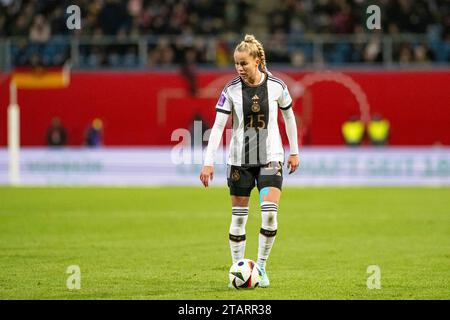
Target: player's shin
x=268, y=231
x=237, y=232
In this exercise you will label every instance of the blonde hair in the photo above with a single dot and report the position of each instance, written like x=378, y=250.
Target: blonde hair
x=254, y=48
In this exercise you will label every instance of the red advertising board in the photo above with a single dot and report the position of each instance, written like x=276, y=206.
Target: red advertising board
x=144, y=108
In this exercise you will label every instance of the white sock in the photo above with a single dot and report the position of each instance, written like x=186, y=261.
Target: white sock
x=237, y=232
x=268, y=231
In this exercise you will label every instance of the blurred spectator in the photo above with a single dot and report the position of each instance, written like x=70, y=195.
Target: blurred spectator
x=410, y=16
x=277, y=48
x=422, y=54
x=134, y=7
x=56, y=133
x=94, y=134
x=188, y=70
x=279, y=19
x=353, y=131
x=378, y=130
x=40, y=30
x=20, y=27
x=406, y=54
x=235, y=15
x=342, y=20
x=112, y=17
x=298, y=58
x=372, y=51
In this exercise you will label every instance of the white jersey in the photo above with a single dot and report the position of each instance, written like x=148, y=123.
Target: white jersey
x=256, y=138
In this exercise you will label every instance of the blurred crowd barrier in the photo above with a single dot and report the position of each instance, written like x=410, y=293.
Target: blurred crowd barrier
x=164, y=51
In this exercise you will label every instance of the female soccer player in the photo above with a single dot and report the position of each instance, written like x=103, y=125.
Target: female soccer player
x=256, y=150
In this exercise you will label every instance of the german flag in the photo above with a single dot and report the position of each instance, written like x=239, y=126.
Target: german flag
x=41, y=77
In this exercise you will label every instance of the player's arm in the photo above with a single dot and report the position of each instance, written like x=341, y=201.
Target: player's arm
x=291, y=132
x=285, y=104
x=213, y=143
x=223, y=108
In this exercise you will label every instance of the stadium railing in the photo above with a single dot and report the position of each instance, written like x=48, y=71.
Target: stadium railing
x=299, y=50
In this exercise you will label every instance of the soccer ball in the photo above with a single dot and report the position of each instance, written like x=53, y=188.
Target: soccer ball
x=245, y=274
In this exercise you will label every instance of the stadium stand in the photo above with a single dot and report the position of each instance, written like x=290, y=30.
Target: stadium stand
x=155, y=34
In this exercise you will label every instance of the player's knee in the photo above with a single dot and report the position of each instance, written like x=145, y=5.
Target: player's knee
x=269, y=221
x=238, y=221
x=269, y=212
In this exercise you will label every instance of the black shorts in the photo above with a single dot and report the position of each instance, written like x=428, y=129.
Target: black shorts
x=241, y=180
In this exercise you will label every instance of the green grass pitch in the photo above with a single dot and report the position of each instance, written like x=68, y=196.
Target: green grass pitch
x=172, y=243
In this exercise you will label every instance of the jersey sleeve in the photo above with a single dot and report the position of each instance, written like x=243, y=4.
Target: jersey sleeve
x=285, y=100
x=224, y=104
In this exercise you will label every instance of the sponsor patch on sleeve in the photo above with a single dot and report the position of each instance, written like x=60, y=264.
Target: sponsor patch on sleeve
x=222, y=100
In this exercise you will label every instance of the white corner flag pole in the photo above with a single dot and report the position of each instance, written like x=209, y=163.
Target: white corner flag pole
x=13, y=135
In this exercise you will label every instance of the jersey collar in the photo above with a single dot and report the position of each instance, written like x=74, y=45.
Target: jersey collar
x=263, y=79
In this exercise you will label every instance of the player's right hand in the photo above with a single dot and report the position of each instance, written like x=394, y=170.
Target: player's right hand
x=206, y=173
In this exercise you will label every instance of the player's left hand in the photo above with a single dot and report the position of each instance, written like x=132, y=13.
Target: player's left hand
x=293, y=163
